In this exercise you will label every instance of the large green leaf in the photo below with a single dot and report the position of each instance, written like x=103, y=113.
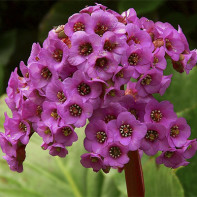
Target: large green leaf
x=47, y=176
x=141, y=7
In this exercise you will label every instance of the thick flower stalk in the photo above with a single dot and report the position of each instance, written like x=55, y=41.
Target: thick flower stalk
x=83, y=72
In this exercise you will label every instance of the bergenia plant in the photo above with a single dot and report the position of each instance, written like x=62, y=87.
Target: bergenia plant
x=101, y=71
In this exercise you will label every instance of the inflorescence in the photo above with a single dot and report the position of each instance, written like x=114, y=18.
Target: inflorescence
x=80, y=73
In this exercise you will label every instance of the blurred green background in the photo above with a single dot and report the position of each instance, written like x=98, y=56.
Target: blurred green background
x=25, y=22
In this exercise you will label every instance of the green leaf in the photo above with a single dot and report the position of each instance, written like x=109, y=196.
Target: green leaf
x=141, y=7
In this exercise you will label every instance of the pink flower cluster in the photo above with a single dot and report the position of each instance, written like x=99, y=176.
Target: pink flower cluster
x=80, y=73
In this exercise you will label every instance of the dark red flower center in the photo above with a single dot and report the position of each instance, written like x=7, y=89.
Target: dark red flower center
x=156, y=115
x=134, y=112
x=174, y=131
x=115, y=152
x=39, y=110
x=109, y=46
x=94, y=159
x=75, y=110
x=109, y=117
x=101, y=62
x=85, y=49
x=57, y=55
x=61, y=97
x=101, y=136
x=168, y=44
x=66, y=131
x=152, y=135
x=22, y=127
x=46, y=73
x=125, y=130
x=100, y=29
x=146, y=80
x=133, y=59
x=54, y=114
x=78, y=27
x=83, y=89
x=168, y=154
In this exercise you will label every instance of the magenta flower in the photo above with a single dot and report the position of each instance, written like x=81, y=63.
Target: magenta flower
x=8, y=145
x=136, y=36
x=149, y=83
x=113, y=44
x=83, y=45
x=101, y=66
x=56, y=53
x=131, y=16
x=165, y=83
x=138, y=59
x=17, y=128
x=162, y=112
x=115, y=154
x=155, y=139
x=107, y=113
x=189, y=148
x=83, y=86
x=104, y=21
x=178, y=132
x=136, y=108
x=35, y=51
x=158, y=59
x=57, y=150
x=50, y=116
x=172, y=158
x=97, y=136
x=65, y=135
x=56, y=91
x=78, y=22
x=127, y=130
x=92, y=160
x=74, y=111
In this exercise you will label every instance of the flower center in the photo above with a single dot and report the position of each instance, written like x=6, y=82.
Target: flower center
x=38, y=110
x=47, y=131
x=109, y=118
x=75, y=110
x=85, y=49
x=46, y=73
x=168, y=154
x=125, y=130
x=156, y=115
x=120, y=74
x=147, y=80
x=112, y=93
x=54, y=114
x=134, y=112
x=152, y=135
x=174, y=131
x=61, y=97
x=133, y=59
x=94, y=159
x=101, y=137
x=57, y=55
x=22, y=127
x=156, y=60
x=83, y=89
x=168, y=44
x=67, y=131
x=101, y=62
x=100, y=29
x=115, y=152
x=78, y=27
x=109, y=46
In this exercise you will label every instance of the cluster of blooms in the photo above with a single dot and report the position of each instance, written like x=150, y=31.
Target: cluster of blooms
x=80, y=73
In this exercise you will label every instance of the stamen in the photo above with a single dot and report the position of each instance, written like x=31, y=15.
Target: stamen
x=152, y=135
x=83, y=89
x=174, y=131
x=57, y=55
x=67, y=131
x=46, y=73
x=61, y=97
x=115, y=152
x=101, y=137
x=54, y=114
x=85, y=49
x=100, y=29
x=75, y=110
x=109, y=118
x=78, y=27
x=133, y=59
x=125, y=130
x=109, y=46
x=22, y=127
x=168, y=154
x=147, y=80
x=156, y=115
